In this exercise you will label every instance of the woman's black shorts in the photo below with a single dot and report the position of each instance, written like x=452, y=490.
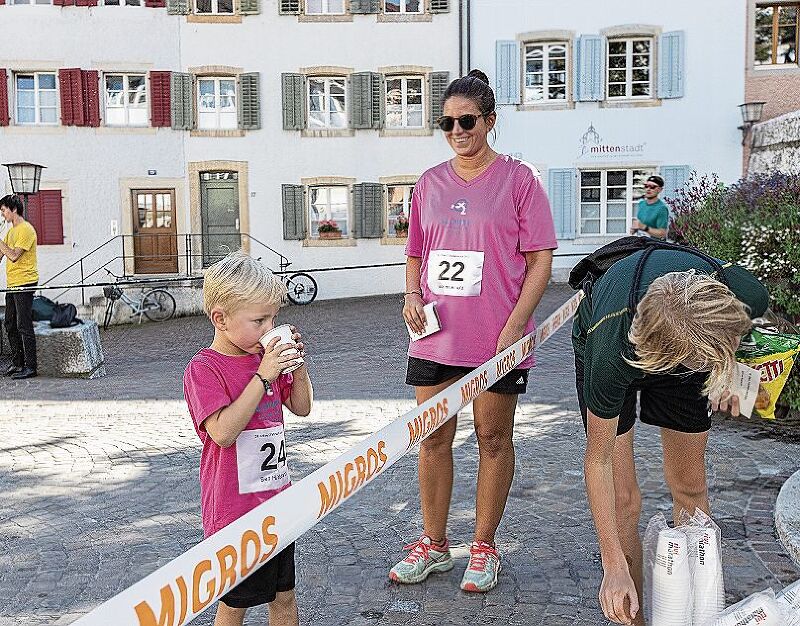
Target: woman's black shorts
x=263, y=585
x=424, y=373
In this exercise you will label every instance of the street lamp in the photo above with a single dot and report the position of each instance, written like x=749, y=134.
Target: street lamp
x=751, y=114
x=25, y=179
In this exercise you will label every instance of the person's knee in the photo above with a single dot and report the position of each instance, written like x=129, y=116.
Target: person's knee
x=284, y=604
x=493, y=442
x=439, y=441
x=628, y=503
x=688, y=489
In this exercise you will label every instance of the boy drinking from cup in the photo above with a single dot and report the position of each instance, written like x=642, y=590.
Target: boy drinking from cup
x=235, y=390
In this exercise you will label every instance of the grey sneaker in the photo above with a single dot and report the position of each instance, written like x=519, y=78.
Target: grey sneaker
x=422, y=559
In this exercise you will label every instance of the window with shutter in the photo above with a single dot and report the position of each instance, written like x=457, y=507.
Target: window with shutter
x=249, y=102
x=294, y=91
x=439, y=6
x=365, y=101
x=364, y=6
x=37, y=98
x=398, y=209
x=45, y=215
x=671, y=65
x=508, y=70
x=160, y=99
x=368, y=210
x=73, y=97
x=437, y=85
x=178, y=7
x=181, y=101
x=4, y=116
x=289, y=7
x=155, y=4
x=675, y=177
x=250, y=7
x=589, y=60
x=405, y=102
x=294, y=215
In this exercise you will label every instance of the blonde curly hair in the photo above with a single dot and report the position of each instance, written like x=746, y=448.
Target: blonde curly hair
x=691, y=320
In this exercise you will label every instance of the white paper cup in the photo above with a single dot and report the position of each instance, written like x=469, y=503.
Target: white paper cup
x=706, y=567
x=672, y=580
x=757, y=610
x=284, y=331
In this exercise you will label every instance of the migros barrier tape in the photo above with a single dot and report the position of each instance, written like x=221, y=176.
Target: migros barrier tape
x=176, y=593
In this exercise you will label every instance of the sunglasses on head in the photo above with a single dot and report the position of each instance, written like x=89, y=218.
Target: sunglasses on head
x=466, y=122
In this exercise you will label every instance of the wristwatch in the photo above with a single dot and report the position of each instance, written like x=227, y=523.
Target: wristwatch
x=646, y=228
x=265, y=382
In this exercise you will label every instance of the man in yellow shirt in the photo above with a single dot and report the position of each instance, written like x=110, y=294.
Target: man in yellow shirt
x=19, y=248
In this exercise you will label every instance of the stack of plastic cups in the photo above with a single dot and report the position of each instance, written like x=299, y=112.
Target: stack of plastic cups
x=672, y=605
x=706, y=568
x=790, y=598
x=758, y=610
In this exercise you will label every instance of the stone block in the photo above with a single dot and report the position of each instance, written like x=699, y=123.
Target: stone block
x=73, y=352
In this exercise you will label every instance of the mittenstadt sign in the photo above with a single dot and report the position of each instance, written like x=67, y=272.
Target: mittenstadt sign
x=593, y=146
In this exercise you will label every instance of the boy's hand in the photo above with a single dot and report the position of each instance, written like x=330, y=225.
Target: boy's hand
x=277, y=357
x=301, y=347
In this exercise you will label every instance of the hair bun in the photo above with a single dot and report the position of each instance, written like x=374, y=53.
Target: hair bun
x=479, y=75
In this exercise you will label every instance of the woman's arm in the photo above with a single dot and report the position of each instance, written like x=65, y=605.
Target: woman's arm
x=537, y=275
x=413, y=302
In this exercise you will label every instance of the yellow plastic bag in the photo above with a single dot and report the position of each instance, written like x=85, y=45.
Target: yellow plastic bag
x=773, y=354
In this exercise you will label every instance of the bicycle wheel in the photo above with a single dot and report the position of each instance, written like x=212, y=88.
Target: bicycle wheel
x=158, y=305
x=301, y=288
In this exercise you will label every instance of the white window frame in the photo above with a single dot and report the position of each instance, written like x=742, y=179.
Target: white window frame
x=126, y=106
x=631, y=200
x=546, y=45
x=403, y=9
x=344, y=224
x=327, y=81
x=629, y=42
x=408, y=190
x=404, y=101
x=214, y=8
x=326, y=8
x=36, y=93
x=217, y=111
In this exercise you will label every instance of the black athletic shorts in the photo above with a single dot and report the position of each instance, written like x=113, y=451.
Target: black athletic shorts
x=666, y=400
x=262, y=586
x=424, y=373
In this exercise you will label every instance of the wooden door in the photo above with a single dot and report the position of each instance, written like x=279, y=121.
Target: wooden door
x=155, y=239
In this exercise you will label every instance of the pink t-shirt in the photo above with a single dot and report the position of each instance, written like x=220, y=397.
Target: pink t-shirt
x=213, y=381
x=494, y=219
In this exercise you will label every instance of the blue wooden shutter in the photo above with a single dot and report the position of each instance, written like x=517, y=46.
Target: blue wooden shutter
x=507, y=72
x=675, y=177
x=561, y=186
x=294, y=212
x=590, y=56
x=671, y=64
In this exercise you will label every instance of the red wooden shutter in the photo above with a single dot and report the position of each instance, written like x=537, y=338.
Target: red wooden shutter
x=160, y=104
x=64, y=3
x=85, y=3
x=45, y=215
x=2, y=1
x=91, y=97
x=4, y=119
x=65, y=92
x=153, y=4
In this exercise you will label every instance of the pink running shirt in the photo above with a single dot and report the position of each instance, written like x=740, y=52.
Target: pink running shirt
x=502, y=213
x=213, y=381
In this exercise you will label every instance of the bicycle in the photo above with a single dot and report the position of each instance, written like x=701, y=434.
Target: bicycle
x=301, y=288
x=157, y=305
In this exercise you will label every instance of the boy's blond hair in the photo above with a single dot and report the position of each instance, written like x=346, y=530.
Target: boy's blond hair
x=689, y=319
x=240, y=279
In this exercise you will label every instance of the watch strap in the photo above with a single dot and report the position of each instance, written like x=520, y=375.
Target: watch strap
x=265, y=382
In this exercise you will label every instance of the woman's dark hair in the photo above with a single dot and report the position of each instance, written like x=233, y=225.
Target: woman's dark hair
x=474, y=86
x=13, y=202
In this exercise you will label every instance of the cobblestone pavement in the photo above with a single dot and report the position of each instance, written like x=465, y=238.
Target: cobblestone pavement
x=98, y=485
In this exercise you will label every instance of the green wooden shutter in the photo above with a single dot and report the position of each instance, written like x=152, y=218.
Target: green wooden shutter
x=294, y=109
x=364, y=6
x=182, y=97
x=178, y=7
x=249, y=102
x=366, y=107
x=250, y=7
x=437, y=85
x=368, y=209
x=439, y=6
x=289, y=7
x=294, y=213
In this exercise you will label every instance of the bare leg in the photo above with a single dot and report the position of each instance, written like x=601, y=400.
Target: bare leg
x=283, y=610
x=436, y=470
x=494, y=427
x=628, y=509
x=685, y=470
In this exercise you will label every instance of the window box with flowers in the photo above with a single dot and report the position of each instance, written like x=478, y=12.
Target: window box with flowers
x=329, y=229
x=401, y=226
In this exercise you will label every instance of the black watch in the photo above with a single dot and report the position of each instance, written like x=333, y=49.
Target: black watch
x=646, y=228
x=265, y=382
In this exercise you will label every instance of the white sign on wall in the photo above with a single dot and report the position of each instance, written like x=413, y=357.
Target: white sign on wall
x=593, y=147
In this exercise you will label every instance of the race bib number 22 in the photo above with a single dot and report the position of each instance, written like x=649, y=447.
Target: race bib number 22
x=455, y=272
x=261, y=460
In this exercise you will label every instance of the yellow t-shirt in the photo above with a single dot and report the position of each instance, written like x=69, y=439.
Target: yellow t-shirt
x=24, y=271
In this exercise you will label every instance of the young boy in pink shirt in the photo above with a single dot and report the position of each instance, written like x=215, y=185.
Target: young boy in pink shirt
x=235, y=390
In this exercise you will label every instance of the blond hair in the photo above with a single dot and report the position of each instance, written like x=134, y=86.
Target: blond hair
x=689, y=319
x=240, y=279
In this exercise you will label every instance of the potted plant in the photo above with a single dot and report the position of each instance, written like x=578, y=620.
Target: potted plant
x=329, y=229
x=401, y=226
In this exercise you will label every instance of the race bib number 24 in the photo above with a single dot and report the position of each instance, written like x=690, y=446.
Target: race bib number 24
x=261, y=460
x=455, y=272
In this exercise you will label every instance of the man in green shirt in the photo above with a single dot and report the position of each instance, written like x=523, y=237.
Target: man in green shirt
x=652, y=213
x=666, y=339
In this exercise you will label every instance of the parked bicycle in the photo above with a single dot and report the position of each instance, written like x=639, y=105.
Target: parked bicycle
x=301, y=288
x=157, y=305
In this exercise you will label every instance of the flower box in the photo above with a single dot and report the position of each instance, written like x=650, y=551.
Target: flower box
x=402, y=234
x=330, y=234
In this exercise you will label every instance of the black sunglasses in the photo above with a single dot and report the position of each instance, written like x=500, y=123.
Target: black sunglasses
x=467, y=122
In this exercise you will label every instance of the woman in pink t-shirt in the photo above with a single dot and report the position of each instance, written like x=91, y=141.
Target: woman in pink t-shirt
x=480, y=244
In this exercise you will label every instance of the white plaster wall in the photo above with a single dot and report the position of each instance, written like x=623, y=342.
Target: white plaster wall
x=88, y=163
x=699, y=129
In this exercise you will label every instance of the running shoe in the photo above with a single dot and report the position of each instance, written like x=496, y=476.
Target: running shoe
x=483, y=568
x=422, y=559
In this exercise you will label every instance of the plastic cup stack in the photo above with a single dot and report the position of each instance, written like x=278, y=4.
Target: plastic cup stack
x=790, y=598
x=706, y=568
x=672, y=583
x=758, y=610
